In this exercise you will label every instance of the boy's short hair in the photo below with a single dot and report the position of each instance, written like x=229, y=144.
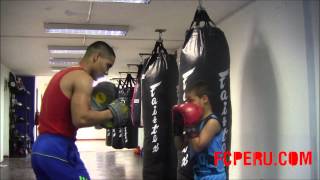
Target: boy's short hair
x=200, y=88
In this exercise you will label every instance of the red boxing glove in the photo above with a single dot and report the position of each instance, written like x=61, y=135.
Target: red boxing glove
x=186, y=116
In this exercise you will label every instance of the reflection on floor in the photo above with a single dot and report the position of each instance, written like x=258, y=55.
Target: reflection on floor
x=102, y=162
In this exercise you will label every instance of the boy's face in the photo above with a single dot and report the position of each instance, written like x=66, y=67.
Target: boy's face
x=193, y=98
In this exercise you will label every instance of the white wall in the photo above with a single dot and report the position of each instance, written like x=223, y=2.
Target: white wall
x=140, y=137
x=1, y=124
x=311, y=16
x=41, y=84
x=4, y=115
x=270, y=85
x=91, y=133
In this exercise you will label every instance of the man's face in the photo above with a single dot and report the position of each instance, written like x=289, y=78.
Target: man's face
x=103, y=64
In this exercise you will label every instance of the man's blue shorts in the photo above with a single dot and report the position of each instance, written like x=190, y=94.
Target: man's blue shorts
x=57, y=157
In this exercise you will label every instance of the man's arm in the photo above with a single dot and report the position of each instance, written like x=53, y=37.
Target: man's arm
x=82, y=115
x=211, y=128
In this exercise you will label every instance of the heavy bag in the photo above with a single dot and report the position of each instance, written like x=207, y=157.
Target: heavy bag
x=117, y=138
x=130, y=132
x=136, y=101
x=130, y=136
x=117, y=133
x=205, y=56
x=171, y=94
x=157, y=147
x=136, y=106
x=109, y=137
x=186, y=162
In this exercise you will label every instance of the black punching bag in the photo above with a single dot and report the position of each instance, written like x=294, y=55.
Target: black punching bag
x=109, y=137
x=117, y=138
x=159, y=157
x=130, y=132
x=110, y=132
x=118, y=133
x=205, y=56
x=136, y=101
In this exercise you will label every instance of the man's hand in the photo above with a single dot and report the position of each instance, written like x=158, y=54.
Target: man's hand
x=120, y=113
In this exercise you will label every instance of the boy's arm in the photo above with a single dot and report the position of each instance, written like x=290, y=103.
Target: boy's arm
x=211, y=128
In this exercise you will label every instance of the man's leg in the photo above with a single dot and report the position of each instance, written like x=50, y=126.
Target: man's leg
x=53, y=168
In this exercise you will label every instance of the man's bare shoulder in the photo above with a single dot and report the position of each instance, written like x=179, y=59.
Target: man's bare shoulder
x=82, y=74
x=73, y=80
x=77, y=77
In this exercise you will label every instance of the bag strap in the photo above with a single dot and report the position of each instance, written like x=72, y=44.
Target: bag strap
x=211, y=116
x=199, y=16
x=158, y=49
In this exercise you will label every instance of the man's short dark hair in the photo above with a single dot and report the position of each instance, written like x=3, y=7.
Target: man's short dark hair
x=100, y=47
x=200, y=88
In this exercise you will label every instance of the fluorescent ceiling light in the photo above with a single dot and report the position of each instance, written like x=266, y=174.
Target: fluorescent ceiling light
x=67, y=49
x=63, y=62
x=121, y=1
x=55, y=70
x=86, y=29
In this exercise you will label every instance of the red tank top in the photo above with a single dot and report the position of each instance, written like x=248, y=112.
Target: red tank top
x=55, y=114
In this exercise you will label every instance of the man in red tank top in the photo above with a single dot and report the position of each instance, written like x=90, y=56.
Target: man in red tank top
x=65, y=108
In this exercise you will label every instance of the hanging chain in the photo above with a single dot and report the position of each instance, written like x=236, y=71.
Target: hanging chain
x=200, y=5
x=160, y=31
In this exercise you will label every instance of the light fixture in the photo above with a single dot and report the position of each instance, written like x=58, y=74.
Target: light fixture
x=67, y=49
x=86, y=29
x=63, y=62
x=55, y=70
x=121, y=1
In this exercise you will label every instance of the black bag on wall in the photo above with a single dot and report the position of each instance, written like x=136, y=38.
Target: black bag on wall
x=136, y=101
x=130, y=132
x=205, y=56
x=127, y=136
x=108, y=137
x=117, y=138
x=118, y=133
x=159, y=160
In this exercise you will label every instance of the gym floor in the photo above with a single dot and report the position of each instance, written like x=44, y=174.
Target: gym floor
x=102, y=163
